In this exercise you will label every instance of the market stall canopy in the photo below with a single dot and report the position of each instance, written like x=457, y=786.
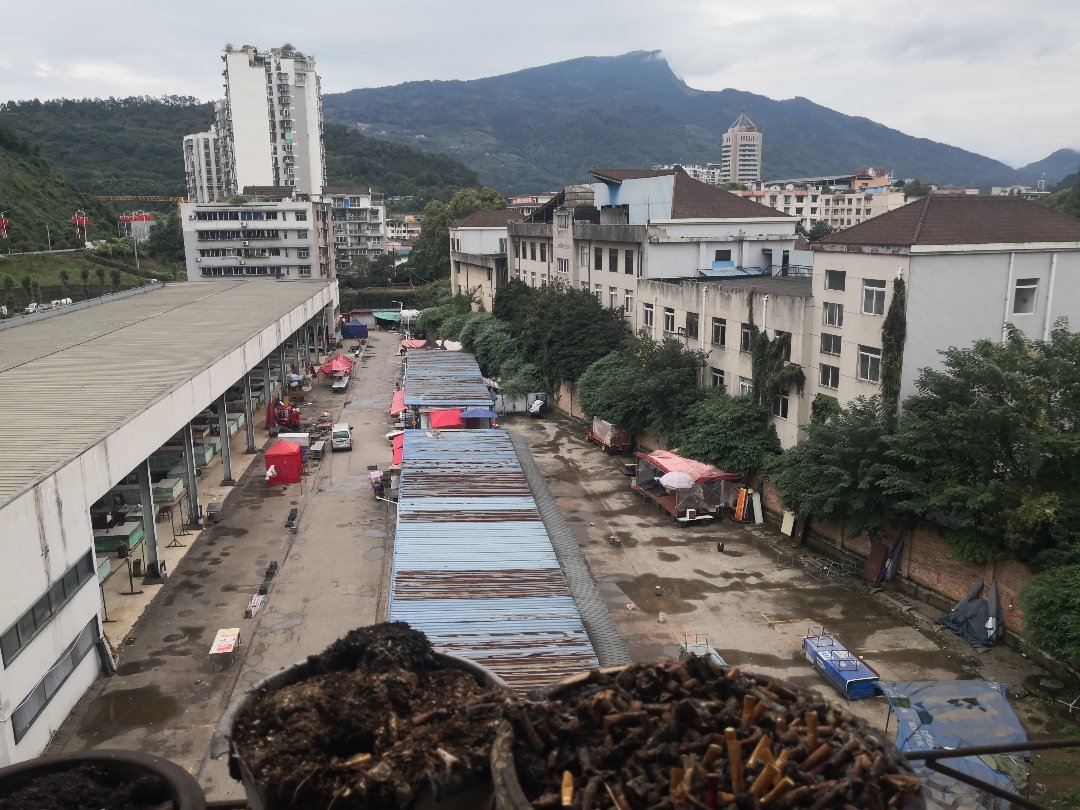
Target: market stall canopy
x=397, y=402
x=354, y=330
x=447, y=419
x=677, y=480
x=478, y=413
x=283, y=463
x=399, y=448
x=337, y=363
x=414, y=344
x=701, y=472
x=387, y=315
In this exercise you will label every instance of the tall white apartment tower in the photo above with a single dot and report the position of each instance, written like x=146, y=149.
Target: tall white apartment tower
x=201, y=167
x=273, y=120
x=740, y=160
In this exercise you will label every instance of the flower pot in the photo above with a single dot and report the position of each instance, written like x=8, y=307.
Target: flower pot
x=150, y=781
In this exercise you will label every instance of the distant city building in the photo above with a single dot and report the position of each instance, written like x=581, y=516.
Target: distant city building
x=201, y=168
x=478, y=254
x=709, y=173
x=1024, y=192
x=528, y=203
x=359, y=220
x=405, y=228
x=740, y=159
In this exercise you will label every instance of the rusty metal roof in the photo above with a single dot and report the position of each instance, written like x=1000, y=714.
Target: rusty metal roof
x=442, y=379
x=473, y=564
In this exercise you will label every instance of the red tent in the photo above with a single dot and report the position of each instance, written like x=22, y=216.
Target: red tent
x=285, y=461
x=701, y=472
x=414, y=344
x=447, y=419
x=399, y=448
x=339, y=362
x=397, y=403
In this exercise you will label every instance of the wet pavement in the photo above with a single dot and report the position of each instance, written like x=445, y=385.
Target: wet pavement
x=168, y=694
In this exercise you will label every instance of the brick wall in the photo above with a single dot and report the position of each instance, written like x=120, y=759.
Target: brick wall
x=926, y=562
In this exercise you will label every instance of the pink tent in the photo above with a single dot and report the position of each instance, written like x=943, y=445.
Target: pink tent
x=286, y=462
x=397, y=403
x=339, y=362
x=447, y=419
x=701, y=472
x=414, y=344
x=399, y=448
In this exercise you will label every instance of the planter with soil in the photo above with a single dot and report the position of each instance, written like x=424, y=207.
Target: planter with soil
x=90, y=780
x=693, y=735
x=376, y=720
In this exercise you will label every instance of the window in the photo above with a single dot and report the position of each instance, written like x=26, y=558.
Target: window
x=649, y=315
x=873, y=297
x=746, y=337
x=835, y=279
x=562, y=220
x=16, y=637
x=722, y=256
x=629, y=301
x=1024, y=296
x=717, y=376
x=613, y=261
x=613, y=297
x=830, y=344
x=669, y=319
x=562, y=265
x=303, y=253
x=598, y=259
x=692, y=325
x=829, y=376
x=780, y=406
x=502, y=246
x=302, y=234
x=583, y=260
x=628, y=266
x=832, y=314
x=719, y=331
x=543, y=251
x=746, y=386
x=869, y=364
x=533, y=282
x=517, y=251
x=532, y=251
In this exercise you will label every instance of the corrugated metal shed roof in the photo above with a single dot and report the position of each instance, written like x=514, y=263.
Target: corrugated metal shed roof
x=473, y=565
x=441, y=379
x=89, y=371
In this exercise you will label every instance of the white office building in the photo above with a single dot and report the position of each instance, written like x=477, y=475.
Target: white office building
x=740, y=160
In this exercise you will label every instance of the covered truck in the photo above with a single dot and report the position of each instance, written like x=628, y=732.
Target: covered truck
x=687, y=490
x=612, y=439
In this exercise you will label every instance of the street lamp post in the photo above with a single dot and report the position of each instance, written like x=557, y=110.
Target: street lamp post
x=401, y=323
x=48, y=236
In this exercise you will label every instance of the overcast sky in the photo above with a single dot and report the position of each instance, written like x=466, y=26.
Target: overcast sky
x=998, y=77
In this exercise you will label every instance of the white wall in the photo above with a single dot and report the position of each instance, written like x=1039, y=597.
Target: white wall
x=648, y=198
x=250, y=122
x=479, y=240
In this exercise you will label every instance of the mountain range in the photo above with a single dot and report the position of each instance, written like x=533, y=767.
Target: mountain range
x=543, y=127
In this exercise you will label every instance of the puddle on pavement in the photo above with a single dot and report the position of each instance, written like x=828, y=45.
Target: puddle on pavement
x=174, y=637
x=135, y=667
x=125, y=709
x=185, y=612
x=230, y=531
x=676, y=594
x=667, y=557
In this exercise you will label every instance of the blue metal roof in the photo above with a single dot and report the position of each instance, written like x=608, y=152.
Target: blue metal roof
x=444, y=379
x=473, y=565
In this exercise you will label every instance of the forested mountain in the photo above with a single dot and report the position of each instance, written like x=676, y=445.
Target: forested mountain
x=135, y=146
x=541, y=128
x=1056, y=167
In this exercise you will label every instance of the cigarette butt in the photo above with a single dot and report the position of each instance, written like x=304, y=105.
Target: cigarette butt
x=781, y=760
x=759, y=711
x=728, y=798
x=811, y=730
x=735, y=763
x=674, y=779
x=817, y=757
x=782, y=787
x=567, y=789
x=748, y=703
x=764, y=780
x=762, y=751
x=711, y=755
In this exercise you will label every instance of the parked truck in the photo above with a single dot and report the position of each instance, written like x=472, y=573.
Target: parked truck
x=612, y=439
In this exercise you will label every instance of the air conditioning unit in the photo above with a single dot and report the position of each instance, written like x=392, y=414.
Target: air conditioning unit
x=198, y=259
x=682, y=331
x=691, y=514
x=245, y=244
x=242, y=262
x=191, y=216
x=243, y=224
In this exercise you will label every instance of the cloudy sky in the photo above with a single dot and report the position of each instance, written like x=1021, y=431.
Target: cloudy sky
x=998, y=77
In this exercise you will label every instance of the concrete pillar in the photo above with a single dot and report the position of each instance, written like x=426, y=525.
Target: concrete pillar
x=149, y=513
x=284, y=370
x=249, y=416
x=307, y=345
x=267, y=387
x=223, y=434
x=296, y=352
x=193, y=487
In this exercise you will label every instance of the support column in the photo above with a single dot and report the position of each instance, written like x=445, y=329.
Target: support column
x=307, y=346
x=249, y=416
x=281, y=363
x=193, y=487
x=223, y=434
x=296, y=352
x=267, y=385
x=154, y=566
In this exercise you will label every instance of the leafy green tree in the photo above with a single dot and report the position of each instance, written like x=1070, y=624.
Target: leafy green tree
x=166, y=239
x=518, y=377
x=728, y=432
x=9, y=302
x=430, y=256
x=114, y=275
x=893, y=337
x=914, y=189
x=65, y=279
x=833, y=473
x=818, y=230
x=1051, y=605
x=27, y=282
x=493, y=345
x=35, y=290
x=8, y=284
x=512, y=302
x=100, y=273
x=84, y=274
x=772, y=373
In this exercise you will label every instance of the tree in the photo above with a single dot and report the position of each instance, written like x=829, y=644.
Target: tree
x=511, y=303
x=833, y=473
x=9, y=302
x=818, y=230
x=1051, y=605
x=772, y=373
x=165, y=241
x=100, y=273
x=114, y=275
x=35, y=290
x=914, y=189
x=65, y=277
x=27, y=283
x=84, y=274
x=8, y=284
x=893, y=336
x=729, y=433
x=430, y=256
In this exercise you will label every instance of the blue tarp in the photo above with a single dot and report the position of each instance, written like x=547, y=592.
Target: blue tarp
x=951, y=714
x=354, y=329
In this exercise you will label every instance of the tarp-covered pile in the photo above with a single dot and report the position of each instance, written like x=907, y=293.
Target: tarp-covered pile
x=708, y=493
x=978, y=621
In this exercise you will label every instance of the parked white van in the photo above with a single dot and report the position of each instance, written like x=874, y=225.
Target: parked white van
x=341, y=437
x=60, y=302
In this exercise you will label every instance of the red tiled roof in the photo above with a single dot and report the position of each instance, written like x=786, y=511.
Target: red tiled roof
x=488, y=219
x=937, y=220
x=692, y=199
x=618, y=175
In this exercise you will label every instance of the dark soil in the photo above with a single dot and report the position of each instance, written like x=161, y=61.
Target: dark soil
x=377, y=724
x=89, y=787
x=662, y=736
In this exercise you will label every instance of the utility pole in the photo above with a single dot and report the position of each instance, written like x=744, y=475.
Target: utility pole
x=48, y=236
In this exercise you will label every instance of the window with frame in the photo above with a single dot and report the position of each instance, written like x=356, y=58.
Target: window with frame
x=669, y=319
x=830, y=343
x=746, y=337
x=780, y=406
x=829, y=376
x=719, y=331
x=301, y=216
x=835, y=279
x=532, y=251
x=628, y=262
x=613, y=297
x=629, y=301
x=33, y=620
x=746, y=387
x=869, y=364
x=532, y=282
x=302, y=234
x=598, y=259
x=613, y=260
x=717, y=377
x=502, y=246
x=598, y=291
x=648, y=314
x=543, y=251
x=832, y=314
x=787, y=346
x=873, y=297
x=562, y=220
x=692, y=325
x=1024, y=296
x=517, y=249
x=583, y=258
x=722, y=256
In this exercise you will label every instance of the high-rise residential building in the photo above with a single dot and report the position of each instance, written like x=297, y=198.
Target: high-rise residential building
x=740, y=160
x=358, y=216
x=201, y=166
